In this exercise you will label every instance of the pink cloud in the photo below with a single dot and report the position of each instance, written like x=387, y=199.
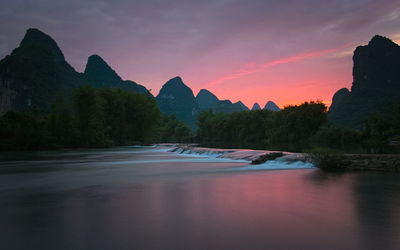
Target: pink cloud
x=261, y=67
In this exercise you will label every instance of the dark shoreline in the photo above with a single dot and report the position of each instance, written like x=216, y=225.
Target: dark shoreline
x=352, y=162
x=372, y=162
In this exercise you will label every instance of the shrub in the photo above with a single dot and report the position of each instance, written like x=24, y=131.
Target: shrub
x=327, y=159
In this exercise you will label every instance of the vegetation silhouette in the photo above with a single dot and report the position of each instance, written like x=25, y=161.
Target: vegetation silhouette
x=96, y=117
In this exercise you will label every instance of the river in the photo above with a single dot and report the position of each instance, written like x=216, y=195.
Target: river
x=146, y=198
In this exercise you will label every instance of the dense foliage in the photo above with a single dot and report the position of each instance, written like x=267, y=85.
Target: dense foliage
x=327, y=159
x=96, y=118
x=298, y=128
x=169, y=129
x=23, y=131
x=342, y=139
x=382, y=132
x=106, y=117
x=289, y=129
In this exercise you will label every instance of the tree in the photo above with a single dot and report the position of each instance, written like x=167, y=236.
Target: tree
x=289, y=129
x=90, y=117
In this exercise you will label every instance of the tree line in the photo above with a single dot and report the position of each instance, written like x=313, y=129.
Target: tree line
x=297, y=128
x=103, y=117
x=92, y=117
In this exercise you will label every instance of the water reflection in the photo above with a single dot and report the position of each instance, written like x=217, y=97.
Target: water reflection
x=193, y=205
x=378, y=209
x=376, y=204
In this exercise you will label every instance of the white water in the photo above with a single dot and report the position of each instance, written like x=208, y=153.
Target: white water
x=242, y=156
x=278, y=164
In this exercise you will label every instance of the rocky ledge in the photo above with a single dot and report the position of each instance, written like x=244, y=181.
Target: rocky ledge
x=357, y=162
x=373, y=162
x=253, y=156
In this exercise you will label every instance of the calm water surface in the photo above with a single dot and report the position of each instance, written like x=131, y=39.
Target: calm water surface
x=140, y=198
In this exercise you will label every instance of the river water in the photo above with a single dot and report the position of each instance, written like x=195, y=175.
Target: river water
x=145, y=198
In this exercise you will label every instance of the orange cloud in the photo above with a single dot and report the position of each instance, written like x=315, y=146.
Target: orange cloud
x=396, y=38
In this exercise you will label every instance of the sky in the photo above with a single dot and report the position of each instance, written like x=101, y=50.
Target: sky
x=249, y=50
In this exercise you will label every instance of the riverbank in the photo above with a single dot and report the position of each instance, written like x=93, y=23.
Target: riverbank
x=372, y=162
x=353, y=162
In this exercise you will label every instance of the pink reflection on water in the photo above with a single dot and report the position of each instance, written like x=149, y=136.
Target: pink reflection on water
x=278, y=209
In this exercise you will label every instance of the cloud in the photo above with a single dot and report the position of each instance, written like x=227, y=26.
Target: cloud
x=396, y=38
x=255, y=68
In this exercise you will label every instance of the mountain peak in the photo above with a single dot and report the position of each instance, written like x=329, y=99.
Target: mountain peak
x=36, y=40
x=270, y=105
x=205, y=99
x=205, y=92
x=36, y=74
x=337, y=98
x=96, y=58
x=176, y=81
x=178, y=99
x=35, y=35
x=100, y=74
x=380, y=41
x=377, y=60
x=256, y=106
x=241, y=106
x=176, y=78
x=98, y=71
x=173, y=83
x=375, y=84
x=175, y=86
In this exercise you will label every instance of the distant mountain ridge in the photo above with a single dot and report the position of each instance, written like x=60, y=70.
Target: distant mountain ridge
x=227, y=107
x=36, y=74
x=270, y=105
x=256, y=106
x=241, y=105
x=208, y=101
x=376, y=84
x=100, y=74
x=176, y=98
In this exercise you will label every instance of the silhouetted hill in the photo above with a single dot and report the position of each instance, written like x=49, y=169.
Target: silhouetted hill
x=338, y=98
x=256, y=106
x=100, y=74
x=35, y=74
x=241, y=106
x=270, y=105
x=206, y=100
x=176, y=98
x=376, y=84
x=226, y=106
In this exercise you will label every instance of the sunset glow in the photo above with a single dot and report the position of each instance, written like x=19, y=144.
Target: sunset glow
x=253, y=51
